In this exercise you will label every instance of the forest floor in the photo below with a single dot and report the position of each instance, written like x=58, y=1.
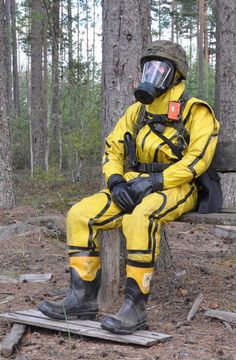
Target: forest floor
x=203, y=263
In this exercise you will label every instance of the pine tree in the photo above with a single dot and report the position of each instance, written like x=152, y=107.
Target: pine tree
x=126, y=31
x=7, y=199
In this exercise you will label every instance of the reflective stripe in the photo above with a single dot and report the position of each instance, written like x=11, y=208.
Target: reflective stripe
x=176, y=206
x=84, y=253
x=109, y=220
x=139, y=264
x=157, y=149
x=144, y=139
x=200, y=156
x=91, y=221
x=77, y=248
x=151, y=232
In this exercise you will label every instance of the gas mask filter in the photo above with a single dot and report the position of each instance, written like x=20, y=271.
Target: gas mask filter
x=156, y=79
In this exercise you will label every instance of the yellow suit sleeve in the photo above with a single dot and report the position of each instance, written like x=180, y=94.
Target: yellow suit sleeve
x=113, y=159
x=203, y=132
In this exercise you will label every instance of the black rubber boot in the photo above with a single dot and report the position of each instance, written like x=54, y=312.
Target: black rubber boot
x=80, y=301
x=132, y=314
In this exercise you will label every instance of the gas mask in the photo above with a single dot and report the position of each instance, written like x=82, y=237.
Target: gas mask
x=157, y=77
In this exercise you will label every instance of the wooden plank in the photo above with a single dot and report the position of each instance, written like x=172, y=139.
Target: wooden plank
x=93, y=324
x=12, y=339
x=228, y=184
x=195, y=307
x=222, y=218
x=15, y=278
x=225, y=158
x=222, y=315
x=83, y=327
x=226, y=231
x=35, y=277
x=229, y=210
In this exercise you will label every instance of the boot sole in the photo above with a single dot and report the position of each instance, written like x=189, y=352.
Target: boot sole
x=125, y=331
x=83, y=316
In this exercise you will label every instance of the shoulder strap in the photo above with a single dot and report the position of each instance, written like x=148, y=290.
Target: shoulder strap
x=139, y=124
x=173, y=147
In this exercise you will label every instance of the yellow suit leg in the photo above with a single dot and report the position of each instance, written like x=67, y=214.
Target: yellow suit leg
x=84, y=219
x=142, y=228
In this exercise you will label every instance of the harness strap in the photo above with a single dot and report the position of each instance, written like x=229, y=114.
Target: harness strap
x=157, y=123
x=151, y=167
x=173, y=147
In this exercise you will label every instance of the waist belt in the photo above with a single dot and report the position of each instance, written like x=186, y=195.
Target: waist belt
x=148, y=167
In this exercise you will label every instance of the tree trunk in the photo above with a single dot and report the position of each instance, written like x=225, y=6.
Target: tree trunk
x=46, y=114
x=93, y=45
x=190, y=44
x=7, y=199
x=55, y=76
x=87, y=39
x=70, y=40
x=126, y=30
x=38, y=122
x=226, y=86
x=200, y=48
x=159, y=20
x=206, y=45
x=9, y=55
x=16, y=89
x=173, y=20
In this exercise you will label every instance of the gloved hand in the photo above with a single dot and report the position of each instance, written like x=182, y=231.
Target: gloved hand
x=143, y=186
x=120, y=193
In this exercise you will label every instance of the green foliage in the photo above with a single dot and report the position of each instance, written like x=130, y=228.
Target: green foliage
x=50, y=178
x=209, y=83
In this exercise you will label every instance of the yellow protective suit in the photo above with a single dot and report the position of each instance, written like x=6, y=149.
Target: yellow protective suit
x=141, y=228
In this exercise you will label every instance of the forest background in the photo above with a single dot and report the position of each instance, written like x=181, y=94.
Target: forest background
x=54, y=75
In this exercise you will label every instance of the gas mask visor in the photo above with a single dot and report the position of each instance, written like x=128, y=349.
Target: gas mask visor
x=156, y=72
x=156, y=78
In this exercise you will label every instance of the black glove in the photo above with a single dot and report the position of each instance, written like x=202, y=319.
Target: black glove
x=120, y=193
x=143, y=186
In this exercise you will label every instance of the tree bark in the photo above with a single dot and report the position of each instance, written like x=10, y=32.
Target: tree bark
x=38, y=123
x=70, y=40
x=7, y=199
x=9, y=54
x=55, y=77
x=206, y=45
x=173, y=20
x=226, y=86
x=126, y=31
x=46, y=114
x=16, y=89
x=200, y=39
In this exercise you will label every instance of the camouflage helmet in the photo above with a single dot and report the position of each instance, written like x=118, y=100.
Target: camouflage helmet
x=165, y=49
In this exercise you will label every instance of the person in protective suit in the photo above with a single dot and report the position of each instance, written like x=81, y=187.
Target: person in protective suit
x=158, y=148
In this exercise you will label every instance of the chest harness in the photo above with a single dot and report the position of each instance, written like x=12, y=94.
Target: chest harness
x=210, y=198
x=157, y=123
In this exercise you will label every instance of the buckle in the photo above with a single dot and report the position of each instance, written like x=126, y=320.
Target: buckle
x=142, y=167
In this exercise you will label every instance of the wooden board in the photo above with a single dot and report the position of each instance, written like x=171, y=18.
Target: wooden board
x=12, y=339
x=226, y=231
x=83, y=327
x=225, y=159
x=225, y=217
x=15, y=278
